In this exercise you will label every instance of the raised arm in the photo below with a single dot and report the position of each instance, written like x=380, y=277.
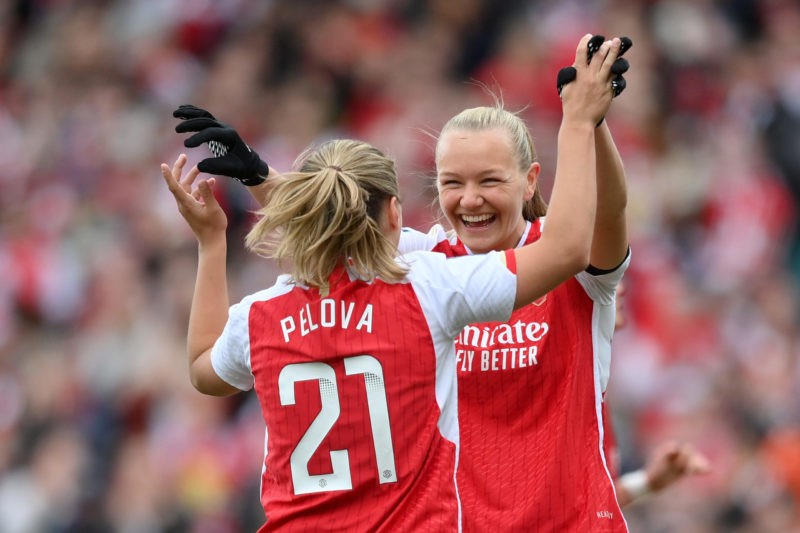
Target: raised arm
x=209, y=311
x=610, y=240
x=564, y=248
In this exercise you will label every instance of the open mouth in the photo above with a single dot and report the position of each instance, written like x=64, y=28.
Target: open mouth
x=477, y=221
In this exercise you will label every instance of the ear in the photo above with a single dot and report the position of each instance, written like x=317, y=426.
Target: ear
x=532, y=179
x=394, y=214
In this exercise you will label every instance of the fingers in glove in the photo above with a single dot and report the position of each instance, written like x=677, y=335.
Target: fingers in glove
x=197, y=124
x=624, y=46
x=620, y=66
x=222, y=166
x=226, y=136
x=189, y=111
x=565, y=75
x=568, y=74
x=618, y=85
x=594, y=45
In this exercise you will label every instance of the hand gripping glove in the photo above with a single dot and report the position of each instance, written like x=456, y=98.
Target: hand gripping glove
x=620, y=66
x=232, y=156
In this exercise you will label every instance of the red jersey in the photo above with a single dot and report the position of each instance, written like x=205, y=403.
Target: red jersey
x=530, y=406
x=610, y=447
x=358, y=392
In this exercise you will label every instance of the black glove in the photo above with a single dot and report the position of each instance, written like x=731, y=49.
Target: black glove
x=620, y=66
x=232, y=156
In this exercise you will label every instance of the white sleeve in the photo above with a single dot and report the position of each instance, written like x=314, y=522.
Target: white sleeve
x=601, y=287
x=230, y=356
x=458, y=291
x=412, y=240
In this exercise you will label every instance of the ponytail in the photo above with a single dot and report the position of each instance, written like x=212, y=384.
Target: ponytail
x=327, y=214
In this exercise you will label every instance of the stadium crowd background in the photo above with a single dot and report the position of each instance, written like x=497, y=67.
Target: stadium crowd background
x=100, y=429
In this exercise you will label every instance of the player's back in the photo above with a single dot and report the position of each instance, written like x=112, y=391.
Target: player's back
x=350, y=380
x=357, y=388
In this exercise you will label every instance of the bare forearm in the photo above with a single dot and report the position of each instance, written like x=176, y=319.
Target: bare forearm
x=210, y=303
x=261, y=193
x=564, y=246
x=572, y=205
x=610, y=240
x=611, y=187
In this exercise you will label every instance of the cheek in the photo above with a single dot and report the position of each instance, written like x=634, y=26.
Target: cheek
x=448, y=201
x=509, y=203
x=521, y=189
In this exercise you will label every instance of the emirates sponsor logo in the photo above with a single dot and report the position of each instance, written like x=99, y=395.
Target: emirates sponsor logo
x=517, y=333
x=500, y=347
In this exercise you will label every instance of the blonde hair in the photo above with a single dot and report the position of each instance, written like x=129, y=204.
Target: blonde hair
x=485, y=118
x=327, y=213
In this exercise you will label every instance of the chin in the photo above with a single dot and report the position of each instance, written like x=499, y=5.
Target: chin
x=478, y=247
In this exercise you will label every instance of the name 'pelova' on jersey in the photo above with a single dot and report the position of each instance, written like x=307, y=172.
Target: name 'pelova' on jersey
x=329, y=313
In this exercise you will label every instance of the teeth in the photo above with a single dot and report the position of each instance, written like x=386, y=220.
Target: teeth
x=475, y=218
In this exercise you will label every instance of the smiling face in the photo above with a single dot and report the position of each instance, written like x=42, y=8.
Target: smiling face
x=482, y=189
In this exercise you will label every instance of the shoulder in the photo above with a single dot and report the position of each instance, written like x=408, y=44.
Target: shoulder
x=438, y=267
x=421, y=260
x=436, y=237
x=283, y=285
x=457, y=291
x=601, y=285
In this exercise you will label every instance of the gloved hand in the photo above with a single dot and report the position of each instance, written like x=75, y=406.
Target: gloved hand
x=620, y=66
x=232, y=156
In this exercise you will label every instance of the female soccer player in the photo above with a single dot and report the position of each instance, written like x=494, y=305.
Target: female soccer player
x=352, y=323
x=531, y=388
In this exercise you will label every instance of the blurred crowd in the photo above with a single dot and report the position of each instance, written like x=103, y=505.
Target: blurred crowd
x=100, y=429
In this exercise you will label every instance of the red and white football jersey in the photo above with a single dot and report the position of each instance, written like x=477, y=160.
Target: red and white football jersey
x=530, y=406
x=358, y=392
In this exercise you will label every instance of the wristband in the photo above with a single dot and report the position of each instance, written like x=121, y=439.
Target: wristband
x=635, y=484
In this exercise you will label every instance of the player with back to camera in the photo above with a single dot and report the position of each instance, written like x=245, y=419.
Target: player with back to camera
x=351, y=354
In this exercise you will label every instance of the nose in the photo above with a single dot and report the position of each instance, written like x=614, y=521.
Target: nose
x=472, y=197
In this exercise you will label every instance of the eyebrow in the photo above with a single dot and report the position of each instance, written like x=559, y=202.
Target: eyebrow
x=481, y=174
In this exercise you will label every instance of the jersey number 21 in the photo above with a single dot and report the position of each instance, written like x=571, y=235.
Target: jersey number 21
x=339, y=478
